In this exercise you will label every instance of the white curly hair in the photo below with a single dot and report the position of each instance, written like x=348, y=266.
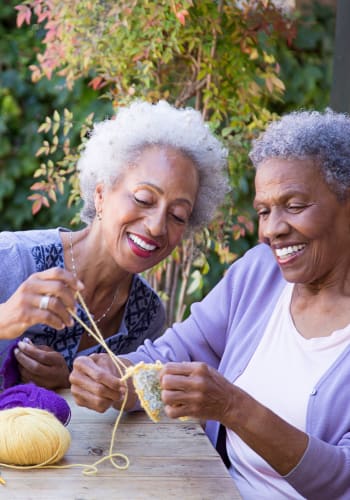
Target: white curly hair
x=115, y=143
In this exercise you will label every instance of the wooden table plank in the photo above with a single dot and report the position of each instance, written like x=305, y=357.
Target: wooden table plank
x=182, y=440
x=93, y=488
x=170, y=459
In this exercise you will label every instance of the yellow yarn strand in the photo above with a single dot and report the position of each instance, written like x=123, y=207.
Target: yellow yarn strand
x=121, y=367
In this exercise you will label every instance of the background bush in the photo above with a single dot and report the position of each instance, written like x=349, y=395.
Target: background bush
x=238, y=71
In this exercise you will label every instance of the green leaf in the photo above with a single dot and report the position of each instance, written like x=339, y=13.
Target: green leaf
x=196, y=282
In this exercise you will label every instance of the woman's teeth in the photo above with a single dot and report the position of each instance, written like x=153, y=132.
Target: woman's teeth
x=142, y=244
x=283, y=253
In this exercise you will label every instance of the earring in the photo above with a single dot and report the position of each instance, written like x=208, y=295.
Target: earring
x=99, y=215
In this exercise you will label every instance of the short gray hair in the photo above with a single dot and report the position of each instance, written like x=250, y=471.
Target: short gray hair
x=114, y=144
x=321, y=136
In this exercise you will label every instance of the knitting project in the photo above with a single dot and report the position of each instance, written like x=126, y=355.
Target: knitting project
x=145, y=378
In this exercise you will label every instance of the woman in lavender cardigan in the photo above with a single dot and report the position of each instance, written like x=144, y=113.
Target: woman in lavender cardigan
x=267, y=353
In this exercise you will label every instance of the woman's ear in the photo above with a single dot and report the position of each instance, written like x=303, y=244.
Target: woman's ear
x=99, y=197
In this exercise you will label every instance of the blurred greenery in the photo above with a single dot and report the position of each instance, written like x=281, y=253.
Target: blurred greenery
x=306, y=70
x=306, y=64
x=231, y=102
x=23, y=105
x=209, y=55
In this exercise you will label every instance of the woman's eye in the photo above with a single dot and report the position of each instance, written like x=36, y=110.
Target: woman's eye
x=180, y=216
x=142, y=201
x=179, y=220
x=295, y=208
x=262, y=212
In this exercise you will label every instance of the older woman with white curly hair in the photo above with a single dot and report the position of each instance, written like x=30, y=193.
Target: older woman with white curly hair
x=265, y=357
x=148, y=176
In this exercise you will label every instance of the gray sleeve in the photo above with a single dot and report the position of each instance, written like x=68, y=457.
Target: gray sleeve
x=12, y=270
x=12, y=273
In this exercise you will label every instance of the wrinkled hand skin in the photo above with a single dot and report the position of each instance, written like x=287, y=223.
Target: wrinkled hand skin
x=42, y=365
x=95, y=383
x=196, y=390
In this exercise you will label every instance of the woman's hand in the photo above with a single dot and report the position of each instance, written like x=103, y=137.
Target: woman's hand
x=196, y=390
x=95, y=383
x=28, y=305
x=42, y=365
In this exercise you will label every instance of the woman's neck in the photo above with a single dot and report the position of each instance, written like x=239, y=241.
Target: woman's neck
x=319, y=311
x=106, y=285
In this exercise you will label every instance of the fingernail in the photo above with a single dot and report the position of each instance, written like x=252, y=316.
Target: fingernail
x=16, y=351
x=27, y=340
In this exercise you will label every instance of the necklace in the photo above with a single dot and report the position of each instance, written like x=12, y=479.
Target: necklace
x=75, y=274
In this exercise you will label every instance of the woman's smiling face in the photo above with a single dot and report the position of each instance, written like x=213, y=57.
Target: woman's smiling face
x=145, y=214
x=302, y=220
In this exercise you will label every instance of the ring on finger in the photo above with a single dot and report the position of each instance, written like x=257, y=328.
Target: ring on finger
x=44, y=302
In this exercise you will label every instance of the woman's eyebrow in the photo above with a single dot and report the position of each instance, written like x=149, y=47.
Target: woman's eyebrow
x=151, y=185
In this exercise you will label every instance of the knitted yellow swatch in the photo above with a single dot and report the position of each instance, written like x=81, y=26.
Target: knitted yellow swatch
x=145, y=377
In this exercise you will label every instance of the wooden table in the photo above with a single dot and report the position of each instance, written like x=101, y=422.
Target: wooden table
x=168, y=460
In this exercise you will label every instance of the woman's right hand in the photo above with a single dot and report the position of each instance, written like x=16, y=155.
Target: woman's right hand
x=26, y=307
x=95, y=383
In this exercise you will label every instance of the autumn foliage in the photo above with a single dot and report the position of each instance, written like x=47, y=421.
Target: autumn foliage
x=215, y=56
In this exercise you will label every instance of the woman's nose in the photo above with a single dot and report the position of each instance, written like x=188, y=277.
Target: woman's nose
x=156, y=223
x=273, y=226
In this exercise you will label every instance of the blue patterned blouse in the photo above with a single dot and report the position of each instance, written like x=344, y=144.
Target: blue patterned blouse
x=25, y=252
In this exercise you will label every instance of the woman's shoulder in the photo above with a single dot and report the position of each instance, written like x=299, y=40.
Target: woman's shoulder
x=25, y=252
x=256, y=262
x=29, y=238
x=145, y=310
x=258, y=253
x=141, y=289
x=253, y=274
x=140, y=282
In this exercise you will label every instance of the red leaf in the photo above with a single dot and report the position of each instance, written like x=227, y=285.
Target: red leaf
x=36, y=207
x=96, y=83
x=34, y=197
x=37, y=186
x=181, y=15
x=45, y=201
x=24, y=15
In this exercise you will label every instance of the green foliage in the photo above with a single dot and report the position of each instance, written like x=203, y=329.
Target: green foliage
x=207, y=55
x=306, y=63
x=210, y=55
x=17, y=122
x=22, y=108
x=95, y=56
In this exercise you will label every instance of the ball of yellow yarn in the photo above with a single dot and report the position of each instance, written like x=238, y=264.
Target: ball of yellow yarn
x=29, y=436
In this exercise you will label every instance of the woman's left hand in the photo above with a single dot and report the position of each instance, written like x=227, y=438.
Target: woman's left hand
x=42, y=365
x=196, y=390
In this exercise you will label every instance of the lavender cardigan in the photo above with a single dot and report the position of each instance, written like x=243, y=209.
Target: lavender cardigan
x=224, y=330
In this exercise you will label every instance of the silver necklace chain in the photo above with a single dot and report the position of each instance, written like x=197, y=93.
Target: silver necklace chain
x=75, y=274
